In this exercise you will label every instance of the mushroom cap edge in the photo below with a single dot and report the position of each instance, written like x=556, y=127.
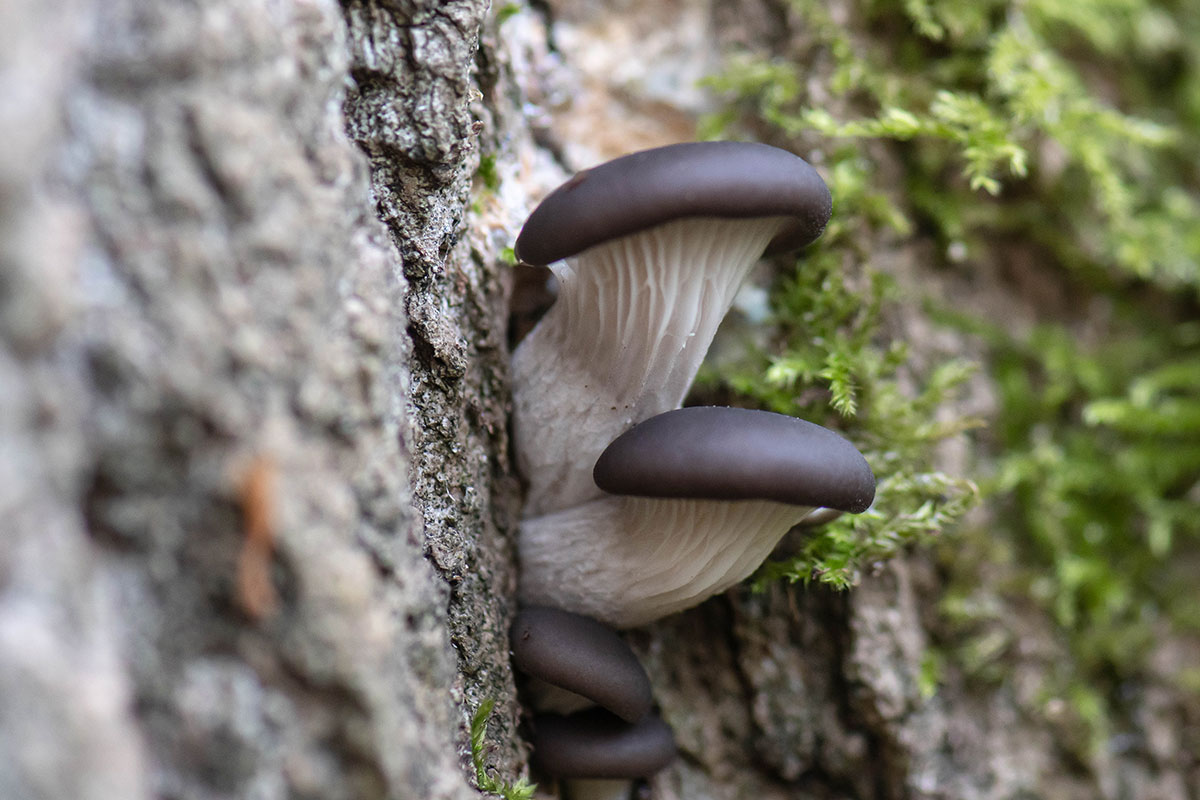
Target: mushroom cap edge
x=596, y=744
x=576, y=652
x=692, y=179
x=721, y=453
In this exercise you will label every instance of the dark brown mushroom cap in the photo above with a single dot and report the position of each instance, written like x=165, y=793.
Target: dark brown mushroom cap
x=736, y=454
x=596, y=744
x=694, y=179
x=579, y=654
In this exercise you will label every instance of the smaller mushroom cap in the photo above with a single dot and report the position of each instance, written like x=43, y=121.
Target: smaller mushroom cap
x=692, y=179
x=719, y=453
x=596, y=744
x=577, y=653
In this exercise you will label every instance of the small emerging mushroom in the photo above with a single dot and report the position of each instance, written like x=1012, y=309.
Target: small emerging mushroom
x=702, y=496
x=578, y=655
x=649, y=251
x=602, y=732
x=596, y=744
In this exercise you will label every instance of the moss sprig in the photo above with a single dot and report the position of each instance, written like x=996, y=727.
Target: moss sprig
x=521, y=789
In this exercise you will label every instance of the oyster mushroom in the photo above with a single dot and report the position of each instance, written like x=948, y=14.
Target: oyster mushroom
x=696, y=499
x=582, y=659
x=597, y=744
x=601, y=733
x=649, y=251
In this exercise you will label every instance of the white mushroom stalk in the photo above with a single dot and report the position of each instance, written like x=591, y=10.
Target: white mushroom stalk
x=627, y=561
x=632, y=323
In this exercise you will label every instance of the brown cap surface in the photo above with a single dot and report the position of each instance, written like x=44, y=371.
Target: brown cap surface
x=694, y=179
x=577, y=653
x=736, y=454
x=595, y=744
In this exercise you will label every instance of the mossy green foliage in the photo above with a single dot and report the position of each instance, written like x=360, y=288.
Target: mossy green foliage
x=1068, y=131
x=487, y=172
x=1101, y=471
x=1095, y=497
x=522, y=789
x=832, y=365
x=1020, y=92
x=504, y=12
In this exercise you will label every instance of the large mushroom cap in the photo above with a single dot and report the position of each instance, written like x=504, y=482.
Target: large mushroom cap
x=694, y=179
x=595, y=744
x=577, y=653
x=736, y=454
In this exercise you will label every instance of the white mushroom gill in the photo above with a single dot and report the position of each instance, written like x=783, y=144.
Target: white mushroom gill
x=629, y=560
x=633, y=320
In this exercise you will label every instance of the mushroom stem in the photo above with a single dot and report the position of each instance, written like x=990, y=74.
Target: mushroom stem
x=633, y=320
x=629, y=560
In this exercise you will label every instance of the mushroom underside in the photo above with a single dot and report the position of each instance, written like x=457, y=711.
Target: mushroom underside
x=627, y=561
x=632, y=323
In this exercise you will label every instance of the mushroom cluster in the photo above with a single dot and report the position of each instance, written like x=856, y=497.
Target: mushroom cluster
x=575, y=662
x=637, y=508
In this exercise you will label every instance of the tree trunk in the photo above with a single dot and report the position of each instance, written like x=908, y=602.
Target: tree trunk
x=256, y=494
x=256, y=485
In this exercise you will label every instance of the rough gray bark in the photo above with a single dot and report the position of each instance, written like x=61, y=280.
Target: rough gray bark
x=253, y=324
x=205, y=321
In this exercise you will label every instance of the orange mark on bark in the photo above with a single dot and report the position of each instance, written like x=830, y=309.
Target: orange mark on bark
x=255, y=591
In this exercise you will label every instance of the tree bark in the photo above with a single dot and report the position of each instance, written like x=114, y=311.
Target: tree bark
x=256, y=485
x=253, y=406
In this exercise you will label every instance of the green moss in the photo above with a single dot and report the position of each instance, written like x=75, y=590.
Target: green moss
x=933, y=667
x=978, y=88
x=1100, y=457
x=1066, y=130
x=832, y=365
x=487, y=172
x=522, y=789
x=504, y=12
